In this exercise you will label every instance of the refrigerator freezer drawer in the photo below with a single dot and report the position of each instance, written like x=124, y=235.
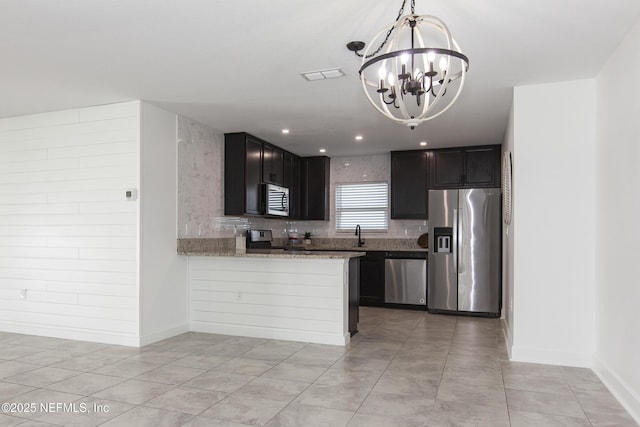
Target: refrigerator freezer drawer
x=405, y=281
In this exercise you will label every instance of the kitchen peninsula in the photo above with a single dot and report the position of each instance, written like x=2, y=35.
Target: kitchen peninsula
x=289, y=295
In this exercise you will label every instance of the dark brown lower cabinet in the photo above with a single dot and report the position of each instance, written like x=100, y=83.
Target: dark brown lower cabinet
x=354, y=294
x=372, y=279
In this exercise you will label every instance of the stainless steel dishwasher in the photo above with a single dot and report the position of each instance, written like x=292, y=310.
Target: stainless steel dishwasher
x=405, y=278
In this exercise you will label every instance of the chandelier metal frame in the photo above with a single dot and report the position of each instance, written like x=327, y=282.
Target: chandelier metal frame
x=389, y=94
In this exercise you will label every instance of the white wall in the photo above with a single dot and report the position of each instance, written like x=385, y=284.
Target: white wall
x=507, y=248
x=554, y=223
x=163, y=288
x=617, y=351
x=67, y=234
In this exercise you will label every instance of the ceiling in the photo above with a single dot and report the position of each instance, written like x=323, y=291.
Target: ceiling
x=235, y=65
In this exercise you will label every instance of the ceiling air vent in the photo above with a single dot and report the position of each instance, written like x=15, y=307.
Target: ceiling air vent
x=331, y=73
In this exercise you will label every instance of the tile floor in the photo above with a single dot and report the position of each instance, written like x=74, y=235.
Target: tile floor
x=405, y=368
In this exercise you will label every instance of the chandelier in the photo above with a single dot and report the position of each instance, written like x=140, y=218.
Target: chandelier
x=417, y=71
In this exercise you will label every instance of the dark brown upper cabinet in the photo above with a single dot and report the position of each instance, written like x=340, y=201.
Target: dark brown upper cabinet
x=447, y=168
x=482, y=166
x=243, y=175
x=272, y=164
x=466, y=167
x=251, y=162
x=409, y=184
x=315, y=188
x=291, y=180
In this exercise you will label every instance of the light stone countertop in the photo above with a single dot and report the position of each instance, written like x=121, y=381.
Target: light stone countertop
x=370, y=244
x=226, y=246
x=280, y=253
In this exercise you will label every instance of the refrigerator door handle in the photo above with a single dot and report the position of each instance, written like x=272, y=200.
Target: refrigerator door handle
x=455, y=240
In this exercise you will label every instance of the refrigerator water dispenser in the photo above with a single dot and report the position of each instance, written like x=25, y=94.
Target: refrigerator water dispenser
x=442, y=239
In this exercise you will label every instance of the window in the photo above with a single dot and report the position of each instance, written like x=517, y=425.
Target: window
x=366, y=204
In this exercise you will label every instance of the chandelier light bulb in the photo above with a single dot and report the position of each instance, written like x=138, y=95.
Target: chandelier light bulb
x=443, y=64
x=391, y=79
x=404, y=58
x=431, y=56
x=382, y=72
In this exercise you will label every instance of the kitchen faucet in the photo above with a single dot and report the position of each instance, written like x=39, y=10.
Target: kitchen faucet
x=359, y=234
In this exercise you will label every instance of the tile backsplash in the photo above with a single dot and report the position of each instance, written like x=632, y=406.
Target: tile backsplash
x=201, y=191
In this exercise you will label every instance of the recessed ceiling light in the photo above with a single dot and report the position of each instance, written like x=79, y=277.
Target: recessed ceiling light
x=331, y=73
x=322, y=150
x=347, y=164
x=285, y=131
x=358, y=137
x=423, y=143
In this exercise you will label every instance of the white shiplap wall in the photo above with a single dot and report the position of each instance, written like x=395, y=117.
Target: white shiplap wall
x=288, y=298
x=67, y=234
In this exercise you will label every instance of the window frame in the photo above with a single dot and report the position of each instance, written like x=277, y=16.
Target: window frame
x=387, y=208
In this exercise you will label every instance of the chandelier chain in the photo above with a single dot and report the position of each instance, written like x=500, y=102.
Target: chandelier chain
x=386, y=39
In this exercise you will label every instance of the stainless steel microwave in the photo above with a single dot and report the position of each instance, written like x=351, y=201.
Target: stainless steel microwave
x=277, y=200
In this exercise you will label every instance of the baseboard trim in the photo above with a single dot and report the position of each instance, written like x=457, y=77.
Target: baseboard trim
x=508, y=341
x=71, y=334
x=550, y=357
x=270, y=333
x=140, y=341
x=619, y=388
x=163, y=335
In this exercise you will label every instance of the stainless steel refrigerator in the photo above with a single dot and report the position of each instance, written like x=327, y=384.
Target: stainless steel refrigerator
x=464, y=251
